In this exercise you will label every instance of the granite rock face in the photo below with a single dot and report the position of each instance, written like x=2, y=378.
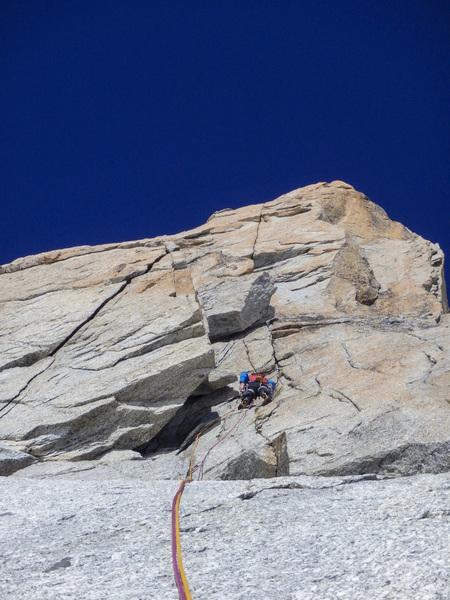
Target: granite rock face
x=133, y=346
x=104, y=535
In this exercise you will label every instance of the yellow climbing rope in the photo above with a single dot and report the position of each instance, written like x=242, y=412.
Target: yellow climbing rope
x=180, y=575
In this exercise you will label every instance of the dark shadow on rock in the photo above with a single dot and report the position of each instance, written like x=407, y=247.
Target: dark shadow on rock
x=189, y=420
x=62, y=564
x=404, y=461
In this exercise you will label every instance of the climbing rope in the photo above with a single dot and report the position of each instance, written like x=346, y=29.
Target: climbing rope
x=180, y=576
x=202, y=462
x=178, y=569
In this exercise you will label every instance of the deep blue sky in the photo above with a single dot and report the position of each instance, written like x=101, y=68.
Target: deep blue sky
x=127, y=119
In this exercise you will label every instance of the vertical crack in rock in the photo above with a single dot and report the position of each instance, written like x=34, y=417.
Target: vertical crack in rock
x=203, y=314
x=170, y=248
x=248, y=355
x=319, y=385
x=256, y=235
x=277, y=447
x=436, y=284
x=348, y=356
x=92, y=316
x=17, y=396
x=181, y=273
x=281, y=454
x=279, y=372
x=228, y=349
x=274, y=354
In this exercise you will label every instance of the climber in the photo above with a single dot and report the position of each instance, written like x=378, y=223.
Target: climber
x=252, y=386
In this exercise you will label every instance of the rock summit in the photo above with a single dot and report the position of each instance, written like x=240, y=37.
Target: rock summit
x=121, y=351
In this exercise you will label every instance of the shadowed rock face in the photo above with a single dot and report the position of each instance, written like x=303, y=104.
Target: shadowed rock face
x=133, y=346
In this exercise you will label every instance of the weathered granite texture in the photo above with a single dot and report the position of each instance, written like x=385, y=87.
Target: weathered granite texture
x=104, y=534
x=131, y=346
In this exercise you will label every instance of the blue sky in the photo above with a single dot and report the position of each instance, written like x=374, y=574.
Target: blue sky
x=129, y=119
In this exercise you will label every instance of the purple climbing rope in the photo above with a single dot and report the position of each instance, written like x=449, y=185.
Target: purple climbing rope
x=176, y=570
x=180, y=577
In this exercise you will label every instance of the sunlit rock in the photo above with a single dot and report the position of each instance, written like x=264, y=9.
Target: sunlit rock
x=133, y=347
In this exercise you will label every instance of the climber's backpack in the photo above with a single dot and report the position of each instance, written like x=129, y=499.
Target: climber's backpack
x=258, y=377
